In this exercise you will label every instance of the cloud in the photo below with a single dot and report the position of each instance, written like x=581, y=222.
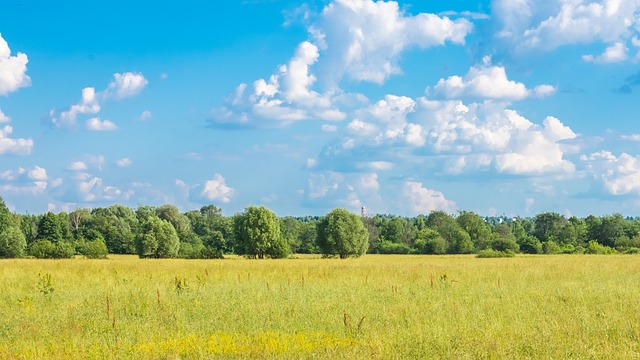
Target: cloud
x=216, y=190
x=24, y=182
x=37, y=173
x=529, y=25
x=77, y=166
x=424, y=201
x=124, y=162
x=95, y=124
x=4, y=118
x=487, y=82
x=619, y=175
x=452, y=136
x=126, y=85
x=145, y=115
x=12, y=69
x=615, y=53
x=93, y=190
x=87, y=105
x=12, y=146
x=285, y=97
x=329, y=128
x=360, y=39
x=364, y=40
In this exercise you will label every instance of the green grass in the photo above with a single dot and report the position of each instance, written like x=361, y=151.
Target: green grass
x=378, y=306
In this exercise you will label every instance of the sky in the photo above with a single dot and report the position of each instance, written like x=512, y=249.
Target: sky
x=510, y=107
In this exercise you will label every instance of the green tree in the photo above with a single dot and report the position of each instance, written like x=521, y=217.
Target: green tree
x=475, y=226
x=342, y=233
x=49, y=228
x=157, y=239
x=118, y=225
x=458, y=241
x=12, y=243
x=257, y=231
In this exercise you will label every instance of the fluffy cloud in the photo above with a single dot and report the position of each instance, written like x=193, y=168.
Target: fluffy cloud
x=77, y=166
x=93, y=190
x=95, y=124
x=124, y=85
x=487, y=82
x=216, y=190
x=124, y=162
x=529, y=25
x=330, y=189
x=364, y=39
x=9, y=145
x=285, y=97
x=4, y=118
x=458, y=138
x=37, y=173
x=12, y=69
x=360, y=39
x=619, y=175
x=423, y=200
x=23, y=181
x=615, y=53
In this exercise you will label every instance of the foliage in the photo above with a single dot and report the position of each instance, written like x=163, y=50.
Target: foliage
x=93, y=249
x=595, y=247
x=257, y=231
x=491, y=253
x=12, y=242
x=157, y=239
x=342, y=233
x=388, y=247
x=45, y=249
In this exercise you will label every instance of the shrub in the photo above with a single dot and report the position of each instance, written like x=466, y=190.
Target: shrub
x=490, y=253
x=95, y=249
x=41, y=249
x=387, y=247
x=596, y=248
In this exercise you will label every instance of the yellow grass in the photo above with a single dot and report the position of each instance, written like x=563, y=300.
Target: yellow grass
x=387, y=306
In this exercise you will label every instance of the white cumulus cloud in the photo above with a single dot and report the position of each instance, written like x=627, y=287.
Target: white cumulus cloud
x=364, y=39
x=615, y=53
x=126, y=85
x=13, y=69
x=4, y=118
x=619, y=175
x=217, y=190
x=423, y=200
x=13, y=146
x=95, y=124
x=488, y=82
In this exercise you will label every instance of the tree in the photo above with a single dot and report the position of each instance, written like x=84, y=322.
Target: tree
x=157, y=239
x=458, y=241
x=118, y=225
x=179, y=221
x=257, y=231
x=475, y=226
x=342, y=233
x=49, y=228
x=12, y=243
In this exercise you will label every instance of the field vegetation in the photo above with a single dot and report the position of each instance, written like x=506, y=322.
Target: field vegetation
x=378, y=306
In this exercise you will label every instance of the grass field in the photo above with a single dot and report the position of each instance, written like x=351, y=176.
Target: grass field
x=377, y=306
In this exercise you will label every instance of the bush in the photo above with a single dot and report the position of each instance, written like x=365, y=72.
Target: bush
x=596, y=248
x=490, y=253
x=41, y=249
x=550, y=247
x=387, y=247
x=45, y=249
x=530, y=245
x=436, y=246
x=63, y=250
x=95, y=249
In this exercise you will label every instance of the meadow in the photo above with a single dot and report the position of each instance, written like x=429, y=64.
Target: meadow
x=377, y=306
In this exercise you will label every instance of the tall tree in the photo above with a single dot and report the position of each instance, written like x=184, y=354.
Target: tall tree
x=157, y=239
x=342, y=233
x=49, y=228
x=258, y=234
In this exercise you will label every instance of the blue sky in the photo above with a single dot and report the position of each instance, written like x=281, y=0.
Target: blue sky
x=501, y=107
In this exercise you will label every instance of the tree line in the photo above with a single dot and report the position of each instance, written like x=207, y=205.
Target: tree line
x=257, y=232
